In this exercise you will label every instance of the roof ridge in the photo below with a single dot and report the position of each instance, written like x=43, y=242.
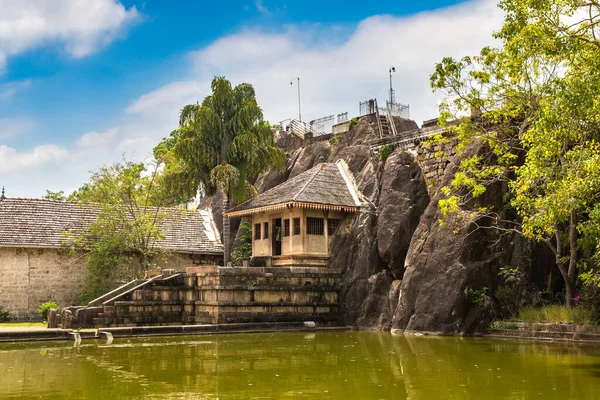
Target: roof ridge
x=317, y=169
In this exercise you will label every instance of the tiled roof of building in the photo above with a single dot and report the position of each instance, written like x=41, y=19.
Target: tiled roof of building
x=39, y=223
x=326, y=186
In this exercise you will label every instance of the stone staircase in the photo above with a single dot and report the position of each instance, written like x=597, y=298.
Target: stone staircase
x=386, y=129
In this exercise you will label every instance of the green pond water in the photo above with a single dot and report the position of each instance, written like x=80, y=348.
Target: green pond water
x=320, y=365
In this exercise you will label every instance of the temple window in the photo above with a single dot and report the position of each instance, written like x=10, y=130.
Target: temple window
x=315, y=226
x=296, y=226
x=332, y=225
x=266, y=230
x=256, y=231
x=286, y=227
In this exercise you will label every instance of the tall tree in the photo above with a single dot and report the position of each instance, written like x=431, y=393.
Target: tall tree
x=220, y=145
x=537, y=107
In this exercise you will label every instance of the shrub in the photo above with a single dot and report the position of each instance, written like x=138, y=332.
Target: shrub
x=4, y=314
x=353, y=123
x=385, y=151
x=45, y=308
x=244, y=250
x=476, y=297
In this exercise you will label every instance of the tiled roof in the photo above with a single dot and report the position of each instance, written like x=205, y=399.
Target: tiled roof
x=328, y=185
x=41, y=223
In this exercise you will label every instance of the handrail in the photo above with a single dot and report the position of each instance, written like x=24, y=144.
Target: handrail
x=378, y=119
x=391, y=121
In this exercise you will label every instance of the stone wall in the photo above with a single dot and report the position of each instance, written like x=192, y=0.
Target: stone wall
x=433, y=159
x=30, y=277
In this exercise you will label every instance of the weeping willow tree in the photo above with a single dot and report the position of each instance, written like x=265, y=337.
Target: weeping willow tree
x=220, y=145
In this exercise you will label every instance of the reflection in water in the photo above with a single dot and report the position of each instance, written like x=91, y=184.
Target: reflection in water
x=334, y=365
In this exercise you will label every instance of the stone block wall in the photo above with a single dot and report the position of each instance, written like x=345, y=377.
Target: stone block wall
x=30, y=277
x=434, y=158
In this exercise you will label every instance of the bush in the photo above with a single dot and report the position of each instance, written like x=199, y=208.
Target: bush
x=45, y=308
x=516, y=291
x=353, y=123
x=244, y=250
x=4, y=314
x=385, y=151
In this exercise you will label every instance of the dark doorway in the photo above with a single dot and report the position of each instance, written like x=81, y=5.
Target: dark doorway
x=276, y=237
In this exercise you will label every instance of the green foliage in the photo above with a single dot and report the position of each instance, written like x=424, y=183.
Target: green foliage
x=338, y=285
x=502, y=326
x=121, y=244
x=385, y=152
x=557, y=314
x=476, y=296
x=244, y=251
x=220, y=144
x=58, y=196
x=353, y=123
x=533, y=104
x=516, y=291
x=252, y=284
x=335, y=140
x=45, y=308
x=4, y=314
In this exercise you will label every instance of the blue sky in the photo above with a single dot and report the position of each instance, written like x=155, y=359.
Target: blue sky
x=85, y=83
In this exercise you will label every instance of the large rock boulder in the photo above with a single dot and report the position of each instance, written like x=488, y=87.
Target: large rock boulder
x=402, y=201
x=451, y=267
x=354, y=251
x=309, y=156
x=377, y=310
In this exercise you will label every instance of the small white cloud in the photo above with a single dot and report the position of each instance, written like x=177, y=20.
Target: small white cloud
x=175, y=94
x=7, y=90
x=81, y=27
x=97, y=139
x=10, y=127
x=13, y=160
x=261, y=8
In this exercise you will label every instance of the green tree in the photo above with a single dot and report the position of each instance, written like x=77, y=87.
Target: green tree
x=121, y=244
x=535, y=102
x=220, y=145
x=58, y=196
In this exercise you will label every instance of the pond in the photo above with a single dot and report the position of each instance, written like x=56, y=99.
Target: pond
x=319, y=365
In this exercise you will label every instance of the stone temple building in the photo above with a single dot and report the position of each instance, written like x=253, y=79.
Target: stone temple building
x=35, y=266
x=294, y=222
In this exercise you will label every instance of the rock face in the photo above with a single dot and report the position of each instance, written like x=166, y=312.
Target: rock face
x=402, y=201
x=354, y=251
x=371, y=246
x=450, y=268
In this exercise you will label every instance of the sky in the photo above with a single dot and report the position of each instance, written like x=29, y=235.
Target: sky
x=84, y=83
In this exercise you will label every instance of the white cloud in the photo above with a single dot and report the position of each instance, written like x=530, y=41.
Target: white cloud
x=335, y=76
x=10, y=127
x=261, y=8
x=12, y=160
x=93, y=140
x=80, y=26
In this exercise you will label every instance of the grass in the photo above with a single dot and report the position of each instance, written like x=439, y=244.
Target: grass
x=23, y=325
x=557, y=314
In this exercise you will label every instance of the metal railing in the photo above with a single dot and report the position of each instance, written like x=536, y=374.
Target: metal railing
x=300, y=128
x=378, y=117
x=391, y=122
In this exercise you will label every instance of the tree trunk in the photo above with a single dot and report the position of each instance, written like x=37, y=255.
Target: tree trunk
x=226, y=232
x=570, y=291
